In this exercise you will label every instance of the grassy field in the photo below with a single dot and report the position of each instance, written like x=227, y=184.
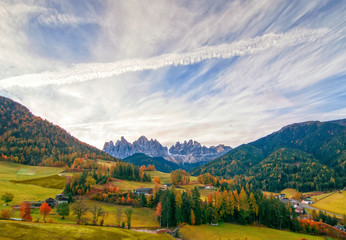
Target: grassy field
x=334, y=203
x=141, y=218
x=289, y=192
x=15, y=171
x=43, y=177
x=37, y=231
x=125, y=185
x=54, y=181
x=27, y=192
x=239, y=232
x=321, y=196
x=166, y=177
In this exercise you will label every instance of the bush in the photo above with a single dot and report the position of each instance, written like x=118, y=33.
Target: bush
x=5, y=214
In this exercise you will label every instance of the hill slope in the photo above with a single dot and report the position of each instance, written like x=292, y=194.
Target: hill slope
x=307, y=156
x=160, y=163
x=25, y=138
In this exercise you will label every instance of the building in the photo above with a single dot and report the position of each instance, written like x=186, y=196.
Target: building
x=61, y=199
x=51, y=202
x=282, y=195
x=299, y=210
x=145, y=191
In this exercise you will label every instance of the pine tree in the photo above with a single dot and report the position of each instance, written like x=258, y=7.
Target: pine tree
x=196, y=198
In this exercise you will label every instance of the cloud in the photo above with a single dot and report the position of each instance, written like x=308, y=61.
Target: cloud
x=217, y=72
x=89, y=71
x=56, y=19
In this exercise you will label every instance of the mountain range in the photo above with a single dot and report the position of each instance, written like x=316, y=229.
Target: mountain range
x=306, y=156
x=180, y=153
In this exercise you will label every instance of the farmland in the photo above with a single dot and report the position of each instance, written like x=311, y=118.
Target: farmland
x=233, y=232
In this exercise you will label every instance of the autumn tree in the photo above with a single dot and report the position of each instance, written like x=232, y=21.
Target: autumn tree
x=63, y=209
x=45, y=210
x=97, y=212
x=253, y=205
x=180, y=177
x=193, y=218
x=157, y=180
x=128, y=213
x=79, y=208
x=25, y=211
x=7, y=197
x=159, y=211
x=178, y=206
x=297, y=195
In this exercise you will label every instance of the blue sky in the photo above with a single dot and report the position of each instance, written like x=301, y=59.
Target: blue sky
x=212, y=71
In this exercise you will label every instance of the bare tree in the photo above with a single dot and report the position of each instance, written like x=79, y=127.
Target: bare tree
x=119, y=215
x=79, y=208
x=96, y=211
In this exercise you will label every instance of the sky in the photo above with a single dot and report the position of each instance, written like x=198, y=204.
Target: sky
x=218, y=72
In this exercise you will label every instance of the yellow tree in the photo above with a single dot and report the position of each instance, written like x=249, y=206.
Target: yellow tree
x=253, y=205
x=232, y=203
x=244, y=204
x=236, y=199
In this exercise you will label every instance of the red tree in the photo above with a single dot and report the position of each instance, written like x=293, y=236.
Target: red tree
x=45, y=210
x=25, y=211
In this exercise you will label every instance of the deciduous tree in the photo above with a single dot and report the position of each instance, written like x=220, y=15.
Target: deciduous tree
x=63, y=209
x=128, y=212
x=25, y=211
x=45, y=210
x=159, y=211
x=7, y=197
x=157, y=180
x=97, y=212
x=79, y=208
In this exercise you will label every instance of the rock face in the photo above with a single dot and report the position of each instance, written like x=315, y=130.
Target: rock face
x=186, y=152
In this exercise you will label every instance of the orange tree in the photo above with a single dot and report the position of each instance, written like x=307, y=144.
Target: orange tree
x=25, y=211
x=45, y=210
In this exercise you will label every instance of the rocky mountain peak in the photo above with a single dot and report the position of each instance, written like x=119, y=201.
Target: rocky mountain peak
x=186, y=152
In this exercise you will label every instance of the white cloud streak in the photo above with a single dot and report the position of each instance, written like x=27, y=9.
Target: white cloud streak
x=89, y=71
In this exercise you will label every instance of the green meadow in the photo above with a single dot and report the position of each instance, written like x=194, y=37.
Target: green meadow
x=30, y=183
x=228, y=231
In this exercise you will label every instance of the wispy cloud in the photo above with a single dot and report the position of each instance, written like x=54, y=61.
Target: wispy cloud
x=85, y=72
x=218, y=72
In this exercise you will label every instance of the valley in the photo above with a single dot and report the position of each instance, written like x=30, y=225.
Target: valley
x=255, y=191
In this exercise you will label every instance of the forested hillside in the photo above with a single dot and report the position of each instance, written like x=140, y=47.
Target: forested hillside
x=25, y=138
x=160, y=163
x=307, y=156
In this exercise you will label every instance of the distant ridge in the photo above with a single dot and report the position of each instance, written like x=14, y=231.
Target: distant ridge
x=180, y=153
x=307, y=156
